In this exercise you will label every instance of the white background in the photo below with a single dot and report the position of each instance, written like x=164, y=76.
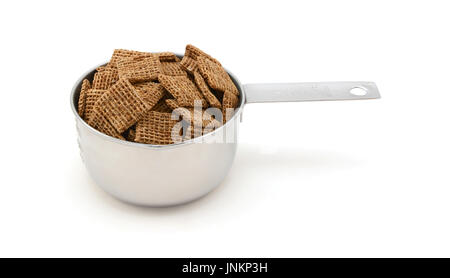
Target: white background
x=328, y=179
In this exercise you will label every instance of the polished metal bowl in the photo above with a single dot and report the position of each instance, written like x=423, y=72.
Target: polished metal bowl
x=155, y=175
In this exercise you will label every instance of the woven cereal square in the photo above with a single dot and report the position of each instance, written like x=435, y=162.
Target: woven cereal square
x=183, y=89
x=121, y=105
x=203, y=87
x=168, y=57
x=189, y=61
x=172, y=68
x=141, y=68
x=104, y=78
x=100, y=123
x=155, y=128
x=229, y=103
x=150, y=92
x=216, y=76
x=92, y=95
x=85, y=86
x=123, y=54
x=162, y=106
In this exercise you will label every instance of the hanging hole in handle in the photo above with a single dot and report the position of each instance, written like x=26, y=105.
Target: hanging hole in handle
x=358, y=91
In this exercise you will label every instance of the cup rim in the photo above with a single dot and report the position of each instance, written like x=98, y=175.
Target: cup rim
x=196, y=140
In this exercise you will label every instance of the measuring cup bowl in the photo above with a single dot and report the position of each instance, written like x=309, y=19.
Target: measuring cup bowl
x=159, y=176
x=154, y=175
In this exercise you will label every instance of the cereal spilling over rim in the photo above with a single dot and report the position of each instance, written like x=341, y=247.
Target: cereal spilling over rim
x=158, y=98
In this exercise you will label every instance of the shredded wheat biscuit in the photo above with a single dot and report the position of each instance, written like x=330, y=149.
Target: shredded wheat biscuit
x=99, y=122
x=230, y=100
x=172, y=103
x=102, y=68
x=172, y=68
x=155, y=128
x=125, y=98
x=191, y=54
x=162, y=106
x=105, y=78
x=150, y=92
x=168, y=57
x=200, y=123
x=92, y=95
x=198, y=117
x=203, y=87
x=216, y=76
x=121, y=54
x=140, y=68
x=229, y=103
x=121, y=105
x=85, y=86
x=183, y=89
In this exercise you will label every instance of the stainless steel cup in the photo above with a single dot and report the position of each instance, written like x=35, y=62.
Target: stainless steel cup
x=158, y=176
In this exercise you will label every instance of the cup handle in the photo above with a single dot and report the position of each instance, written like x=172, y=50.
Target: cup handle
x=310, y=91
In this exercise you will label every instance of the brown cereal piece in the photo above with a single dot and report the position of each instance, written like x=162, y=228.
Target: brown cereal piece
x=155, y=128
x=162, y=106
x=189, y=61
x=200, y=124
x=104, y=78
x=230, y=101
x=92, y=95
x=186, y=115
x=168, y=57
x=100, y=123
x=189, y=64
x=206, y=119
x=172, y=103
x=183, y=89
x=196, y=52
x=140, y=68
x=189, y=114
x=170, y=64
x=150, y=92
x=210, y=123
x=172, y=68
x=142, y=86
x=216, y=76
x=203, y=87
x=121, y=105
x=121, y=54
x=101, y=68
x=85, y=86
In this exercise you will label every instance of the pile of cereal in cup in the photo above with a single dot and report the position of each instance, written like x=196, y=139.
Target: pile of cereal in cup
x=156, y=98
